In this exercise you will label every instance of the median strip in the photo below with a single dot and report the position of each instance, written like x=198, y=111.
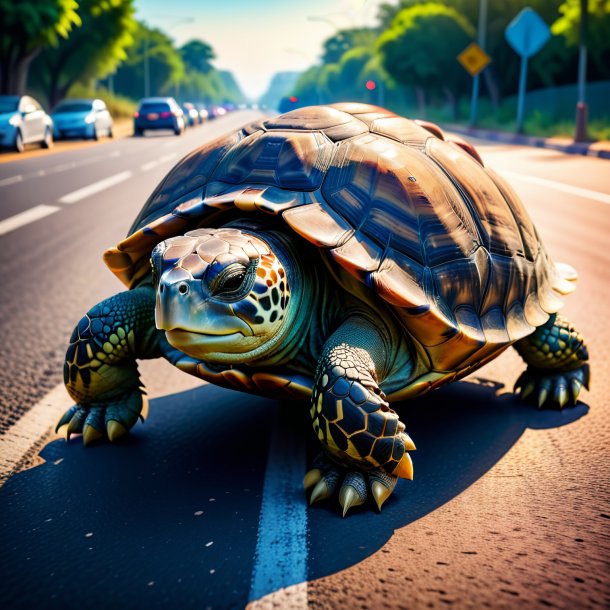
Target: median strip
x=25, y=218
x=94, y=188
x=560, y=186
x=280, y=562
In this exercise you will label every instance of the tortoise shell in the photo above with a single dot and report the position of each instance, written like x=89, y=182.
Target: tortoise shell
x=416, y=218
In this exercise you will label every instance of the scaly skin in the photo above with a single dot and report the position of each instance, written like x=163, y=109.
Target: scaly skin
x=352, y=419
x=557, y=357
x=100, y=371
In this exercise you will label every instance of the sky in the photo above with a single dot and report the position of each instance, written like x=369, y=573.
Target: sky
x=254, y=40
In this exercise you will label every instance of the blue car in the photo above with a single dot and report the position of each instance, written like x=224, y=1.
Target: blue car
x=158, y=113
x=87, y=119
x=23, y=121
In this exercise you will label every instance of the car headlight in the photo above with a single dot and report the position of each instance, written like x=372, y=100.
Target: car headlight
x=90, y=118
x=15, y=120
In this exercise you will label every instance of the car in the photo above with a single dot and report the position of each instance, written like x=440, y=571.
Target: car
x=191, y=115
x=203, y=113
x=87, y=118
x=24, y=121
x=158, y=113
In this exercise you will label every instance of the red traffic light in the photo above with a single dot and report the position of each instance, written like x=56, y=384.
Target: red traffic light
x=370, y=85
x=293, y=98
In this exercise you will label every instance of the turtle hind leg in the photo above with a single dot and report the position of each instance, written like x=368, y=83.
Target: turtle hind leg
x=100, y=371
x=557, y=360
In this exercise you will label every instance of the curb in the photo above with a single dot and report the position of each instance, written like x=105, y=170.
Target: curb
x=589, y=149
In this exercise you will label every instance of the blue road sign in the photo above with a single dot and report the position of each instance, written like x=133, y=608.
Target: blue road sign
x=527, y=33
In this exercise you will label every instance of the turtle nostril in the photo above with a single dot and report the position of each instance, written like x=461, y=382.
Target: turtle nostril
x=183, y=288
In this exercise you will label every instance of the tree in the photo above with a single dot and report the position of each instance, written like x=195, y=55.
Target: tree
x=26, y=28
x=344, y=40
x=92, y=51
x=598, y=40
x=196, y=55
x=420, y=49
x=165, y=66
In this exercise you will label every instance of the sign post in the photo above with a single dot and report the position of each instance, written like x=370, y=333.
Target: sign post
x=527, y=33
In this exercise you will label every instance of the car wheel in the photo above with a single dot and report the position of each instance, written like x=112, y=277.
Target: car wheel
x=47, y=142
x=19, y=146
x=95, y=135
x=110, y=134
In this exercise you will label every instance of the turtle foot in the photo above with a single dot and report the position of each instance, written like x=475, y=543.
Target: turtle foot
x=552, y=389
x=326, y=479
x=109, y=419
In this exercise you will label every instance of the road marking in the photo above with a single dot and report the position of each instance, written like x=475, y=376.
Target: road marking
x=39, y=421
x=94, y=188
x=11, y=180
x=559, y=186
x=25, y=218
x=156, y=162
x=281, y=549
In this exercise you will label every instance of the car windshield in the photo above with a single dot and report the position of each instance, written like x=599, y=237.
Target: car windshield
x=73, y=107
x=155, y=107
x=9, y=104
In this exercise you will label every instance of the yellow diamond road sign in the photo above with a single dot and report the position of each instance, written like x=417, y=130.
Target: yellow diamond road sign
x=473, y=58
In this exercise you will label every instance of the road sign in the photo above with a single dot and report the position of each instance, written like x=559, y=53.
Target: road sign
x=473, y=58
x=527, y=33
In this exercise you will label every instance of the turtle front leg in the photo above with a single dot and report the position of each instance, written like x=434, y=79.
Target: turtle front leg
x=101, y=373
x=557, y=360
x=365, y=445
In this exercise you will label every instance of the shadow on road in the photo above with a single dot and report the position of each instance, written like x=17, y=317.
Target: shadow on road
x=170, y=515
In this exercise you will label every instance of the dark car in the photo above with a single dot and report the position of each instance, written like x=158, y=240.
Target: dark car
x=87, y=119
x=23, y=121
x=158, y=113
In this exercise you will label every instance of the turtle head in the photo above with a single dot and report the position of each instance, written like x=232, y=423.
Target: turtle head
x=222, y=294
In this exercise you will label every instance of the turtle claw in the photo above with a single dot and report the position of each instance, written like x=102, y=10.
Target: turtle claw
x=111, y=419
x=356, y=487
x=552, y=389
x=311, y=478
x=115, y=430
x=90, y=434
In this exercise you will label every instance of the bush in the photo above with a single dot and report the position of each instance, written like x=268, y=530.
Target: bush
x=118, y=106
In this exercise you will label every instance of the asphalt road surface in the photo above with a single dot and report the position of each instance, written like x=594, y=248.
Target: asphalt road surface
x=202, y=507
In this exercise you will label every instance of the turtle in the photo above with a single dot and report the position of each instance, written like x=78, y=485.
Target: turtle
x=341, y=255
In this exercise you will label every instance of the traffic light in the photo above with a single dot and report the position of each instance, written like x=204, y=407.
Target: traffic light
x=294, y=99
x=370, y=85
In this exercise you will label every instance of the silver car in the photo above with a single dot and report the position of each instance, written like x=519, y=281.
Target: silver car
x=87, y=119
x=23, y=121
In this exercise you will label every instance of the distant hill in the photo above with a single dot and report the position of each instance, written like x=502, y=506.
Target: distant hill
x=235, y=94
x=280, y=86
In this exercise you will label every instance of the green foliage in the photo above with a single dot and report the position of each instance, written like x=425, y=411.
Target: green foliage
x=165, y=66
x=411, y=59
x=344, y=40
x=196, y=55
x=26, y=28
x=598, y=32
x=92, y=51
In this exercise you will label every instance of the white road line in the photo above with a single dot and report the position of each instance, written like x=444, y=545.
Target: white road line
x=559, y=186
x=16, y=444
x=94, y=188
x=152, y=164
x=280, y=562
x=11, y=180
x=25, y=218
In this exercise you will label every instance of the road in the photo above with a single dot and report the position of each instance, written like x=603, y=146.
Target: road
x=201, y=506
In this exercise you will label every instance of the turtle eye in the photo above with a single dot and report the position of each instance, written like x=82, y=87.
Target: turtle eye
x=229, y=280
